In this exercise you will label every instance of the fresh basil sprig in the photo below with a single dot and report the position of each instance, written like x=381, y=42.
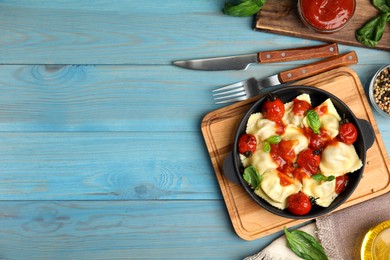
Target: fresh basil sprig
x=371, y=33
x=313, y=120
x=321, y=177
x=305, y=245
x=243, y=7
x=275, y=139
x=382, y=5
x=252, y=177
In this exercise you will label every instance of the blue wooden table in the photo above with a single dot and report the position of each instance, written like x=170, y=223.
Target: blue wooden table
x=101, y=153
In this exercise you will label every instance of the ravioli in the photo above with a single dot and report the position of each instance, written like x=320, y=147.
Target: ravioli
x=261, y=160
x=329, y=118
x=327, y=107
x=290, y=118
x=322, y=191
x=261, y=127
x=338, y=159
x=273, y=192
x=330, y=124
x=294, y=133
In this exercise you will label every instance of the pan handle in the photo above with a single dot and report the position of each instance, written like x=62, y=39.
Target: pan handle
x=229, y=170
x=367, y=131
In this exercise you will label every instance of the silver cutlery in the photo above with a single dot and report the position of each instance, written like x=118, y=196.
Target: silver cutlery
x=242, y=62
x=251, y=87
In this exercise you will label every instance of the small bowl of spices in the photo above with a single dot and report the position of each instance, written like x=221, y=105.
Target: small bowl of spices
x=379, y=91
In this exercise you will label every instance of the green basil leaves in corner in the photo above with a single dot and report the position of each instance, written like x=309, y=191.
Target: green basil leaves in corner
x=252, y=177
x=304, y=245
x=371, y=33
x=313, y=121
x=243, y=7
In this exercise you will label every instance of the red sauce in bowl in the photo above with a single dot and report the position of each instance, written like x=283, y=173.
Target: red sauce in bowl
x=326, y=15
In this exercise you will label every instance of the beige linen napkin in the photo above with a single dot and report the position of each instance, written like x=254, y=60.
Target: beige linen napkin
x=340, y=233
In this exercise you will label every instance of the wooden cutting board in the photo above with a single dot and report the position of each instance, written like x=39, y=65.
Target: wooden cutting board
x=281, y=16
x=249, y=220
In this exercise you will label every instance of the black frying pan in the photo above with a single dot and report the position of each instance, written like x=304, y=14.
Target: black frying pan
x=233, y=168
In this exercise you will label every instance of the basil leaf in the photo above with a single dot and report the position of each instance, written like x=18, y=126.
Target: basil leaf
x=313, y=120
x=371, y=33
x=266, y=147
x=252, y=177
x=275, y=139
x=321, y=177
x=331, y=178
x=304, y=245
x=318, y=177
x=243, y=8
x=382, y=5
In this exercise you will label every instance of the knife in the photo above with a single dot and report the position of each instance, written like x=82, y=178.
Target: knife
x=242, y=62
x=251, y=87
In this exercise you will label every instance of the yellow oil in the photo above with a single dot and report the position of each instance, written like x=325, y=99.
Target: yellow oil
x=376, y=243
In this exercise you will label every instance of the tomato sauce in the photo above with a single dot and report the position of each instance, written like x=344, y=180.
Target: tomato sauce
x=321, y=110
x=309, y=160
x=317, y=141
x=284, y=179
x=278, y=159
x=280, y=128
x=301, y=173
x=327, y=15
x=300, y=107
x=286, y=149
x=283, y=155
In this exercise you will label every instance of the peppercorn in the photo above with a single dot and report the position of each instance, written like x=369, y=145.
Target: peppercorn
x=382, y=90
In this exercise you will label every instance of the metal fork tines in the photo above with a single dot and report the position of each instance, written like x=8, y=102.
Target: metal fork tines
x=243, y=90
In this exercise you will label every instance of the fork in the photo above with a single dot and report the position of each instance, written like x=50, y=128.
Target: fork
x=251, y=87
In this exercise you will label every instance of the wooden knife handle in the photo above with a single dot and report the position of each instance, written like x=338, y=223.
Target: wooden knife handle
x=318, y=67
x=305, y=53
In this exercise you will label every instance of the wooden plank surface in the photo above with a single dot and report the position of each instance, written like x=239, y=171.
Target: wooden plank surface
x=119, y=230
x=101, y=151
x=94, y=32
x=281, y=16
x=121, y=98
x=104, y=166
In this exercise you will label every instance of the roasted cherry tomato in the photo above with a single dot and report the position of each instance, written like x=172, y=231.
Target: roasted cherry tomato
x=273, y=109
x=347, y=133
x=247, y=144
x=341, y=183
x=310, y=160
x=299, y=204
x=300, y=106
